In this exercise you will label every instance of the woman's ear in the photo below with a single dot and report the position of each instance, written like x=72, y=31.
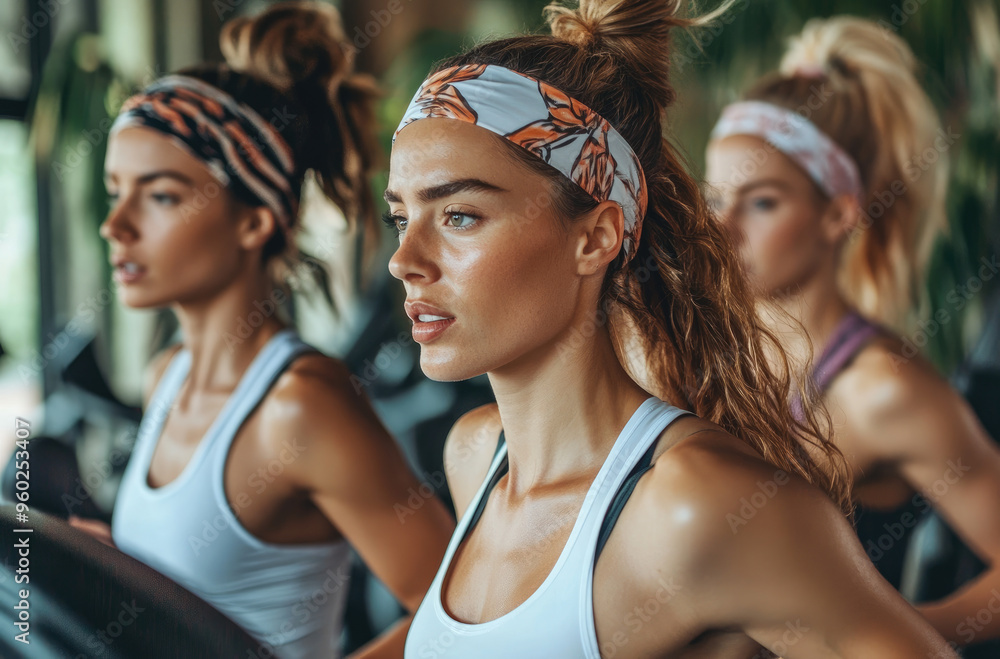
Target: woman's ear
x=601, y=237
x=841, y=218
x=256, y=226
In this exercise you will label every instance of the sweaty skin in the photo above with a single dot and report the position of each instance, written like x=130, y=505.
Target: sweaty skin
x=342, y=474
x=677, y=578
x=905, y=432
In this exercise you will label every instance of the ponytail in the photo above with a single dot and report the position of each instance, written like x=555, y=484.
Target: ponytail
x=294, y=65
x=875, y=109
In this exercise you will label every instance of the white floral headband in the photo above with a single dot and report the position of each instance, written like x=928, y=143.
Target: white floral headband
x=833, y=170
x=563, y=132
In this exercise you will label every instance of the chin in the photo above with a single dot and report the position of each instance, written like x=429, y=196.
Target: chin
x=446, y=366
x=134, y=299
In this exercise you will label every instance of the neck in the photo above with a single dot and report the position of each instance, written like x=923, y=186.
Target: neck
x=225, y=332
x=815, y=309
x=562, y=407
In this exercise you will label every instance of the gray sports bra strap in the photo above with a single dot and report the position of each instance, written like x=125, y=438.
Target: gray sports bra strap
x=501, y=470
x=621, y=498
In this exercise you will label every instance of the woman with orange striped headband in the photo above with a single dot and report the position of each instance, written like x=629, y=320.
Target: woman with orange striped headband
x=550, y=237
x=823, y=176
x=257, y=464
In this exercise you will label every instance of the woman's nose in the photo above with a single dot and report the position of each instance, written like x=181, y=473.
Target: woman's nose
x=416, y=257
x=118, y=225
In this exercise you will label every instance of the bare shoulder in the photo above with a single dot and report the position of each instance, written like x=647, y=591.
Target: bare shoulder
x=710, y=470
x=315, y=404
x=885, y=374
x=468, y=452
x=887, y=386
x=155, y=369
x=316, y=374
x=719, y=494
x=316, y=389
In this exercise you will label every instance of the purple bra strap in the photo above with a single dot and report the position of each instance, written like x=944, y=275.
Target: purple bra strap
x=847, y=340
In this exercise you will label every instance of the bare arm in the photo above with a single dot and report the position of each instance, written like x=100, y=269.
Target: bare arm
x=945, y=454
x=358, y=477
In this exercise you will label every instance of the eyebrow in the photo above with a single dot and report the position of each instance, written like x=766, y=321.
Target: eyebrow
x=749, y=187
x=447, y=189
x=160, y=173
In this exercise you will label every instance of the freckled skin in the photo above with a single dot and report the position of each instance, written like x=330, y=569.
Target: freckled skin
x=508, y=278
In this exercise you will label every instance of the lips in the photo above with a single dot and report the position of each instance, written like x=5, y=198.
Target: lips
x=127, y=271
x=429, y=322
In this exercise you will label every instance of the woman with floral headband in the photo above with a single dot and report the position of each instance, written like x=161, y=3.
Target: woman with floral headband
x=550, y=237
x=823, y=174
x=257, y=461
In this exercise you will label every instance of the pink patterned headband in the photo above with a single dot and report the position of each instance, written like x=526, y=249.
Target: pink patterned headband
x=561, y=131
x=824, y=161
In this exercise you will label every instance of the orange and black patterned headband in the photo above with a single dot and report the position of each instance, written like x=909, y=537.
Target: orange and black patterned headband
x=242, y=150
x=560, y=130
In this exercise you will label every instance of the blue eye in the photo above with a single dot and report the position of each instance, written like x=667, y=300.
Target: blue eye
x=461, y=220
x=395, y=222
x=764, y=204
x=165, y=199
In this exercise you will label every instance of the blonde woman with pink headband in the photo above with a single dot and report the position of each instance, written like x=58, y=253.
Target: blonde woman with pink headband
x=823, y=176
x=550, y=237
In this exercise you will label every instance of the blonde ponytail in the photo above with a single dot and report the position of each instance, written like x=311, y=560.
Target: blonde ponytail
x=858, y=84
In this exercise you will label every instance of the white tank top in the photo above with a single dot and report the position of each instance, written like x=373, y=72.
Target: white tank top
x=290, y=597
x=557, y=620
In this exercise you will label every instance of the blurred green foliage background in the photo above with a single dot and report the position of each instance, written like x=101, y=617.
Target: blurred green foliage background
x=957, y=42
